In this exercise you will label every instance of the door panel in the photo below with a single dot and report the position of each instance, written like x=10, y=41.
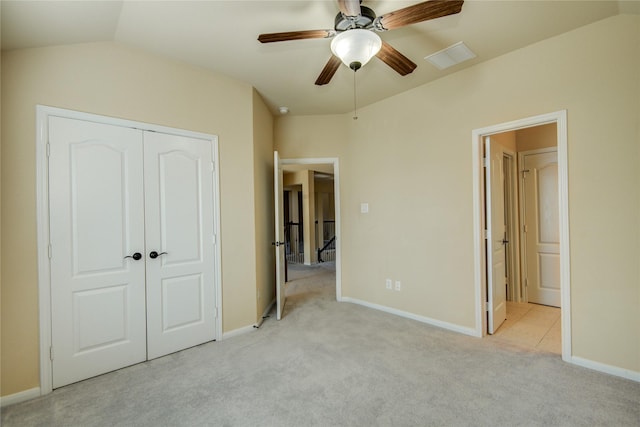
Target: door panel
x=496, y=254
x=96, y=220
x=279, y=234
x=181, y=306
x=542, y=237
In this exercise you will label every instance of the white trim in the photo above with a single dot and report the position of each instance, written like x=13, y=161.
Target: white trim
x=607, y=369
x=434, y=322
x=267, y=310
x=42, y=214
x=514, y=226
x=218, y=230
x=538, y=151
x=336, y=195
x=19, y=397
x=560, y=118
x=44, y=276
x=240, y=331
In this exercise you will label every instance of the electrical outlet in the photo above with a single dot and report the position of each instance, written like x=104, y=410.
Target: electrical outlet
x=389, y=284
x=398, y=285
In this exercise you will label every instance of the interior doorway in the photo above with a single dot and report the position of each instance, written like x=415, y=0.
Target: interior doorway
x=527, y=217
x=504, y=269
x=310, y=215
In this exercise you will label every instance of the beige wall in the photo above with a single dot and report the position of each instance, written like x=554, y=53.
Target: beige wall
x=264, y=208
x=537, y=137
x=506, y=139
x=111, y=80
x=312, y=136
x=409, y=157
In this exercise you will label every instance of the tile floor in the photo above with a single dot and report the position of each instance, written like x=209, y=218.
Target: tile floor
x=531, y=325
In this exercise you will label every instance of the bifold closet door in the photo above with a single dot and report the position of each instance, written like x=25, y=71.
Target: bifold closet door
x=180, y=242
x=96, y=229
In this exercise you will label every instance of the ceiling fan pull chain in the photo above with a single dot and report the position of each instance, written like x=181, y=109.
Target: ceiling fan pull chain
x=355, y=103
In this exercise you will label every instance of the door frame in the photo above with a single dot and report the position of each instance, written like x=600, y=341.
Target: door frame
x=521, y=205
x=513, y=226
x=477, y=138
x=336, y=194
x=42, y=215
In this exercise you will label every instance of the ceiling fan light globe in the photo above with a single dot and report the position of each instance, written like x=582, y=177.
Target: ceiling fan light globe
x=356, y=45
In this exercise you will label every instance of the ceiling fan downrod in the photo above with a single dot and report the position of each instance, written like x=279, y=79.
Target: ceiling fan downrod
x=355, y=104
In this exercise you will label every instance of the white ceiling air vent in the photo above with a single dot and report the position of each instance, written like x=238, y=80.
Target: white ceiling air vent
x=451, y=56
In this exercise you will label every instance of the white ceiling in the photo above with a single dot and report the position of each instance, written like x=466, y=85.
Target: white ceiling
x=221, y=36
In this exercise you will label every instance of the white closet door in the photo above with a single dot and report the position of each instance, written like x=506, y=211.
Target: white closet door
x=96, y=221
x=181, y=308
x=542, y=221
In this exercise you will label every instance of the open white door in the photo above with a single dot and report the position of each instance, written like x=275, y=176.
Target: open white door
x=279, y=235
x=496, y=268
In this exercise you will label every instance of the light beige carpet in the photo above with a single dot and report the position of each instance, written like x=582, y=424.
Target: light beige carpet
x=339, y=364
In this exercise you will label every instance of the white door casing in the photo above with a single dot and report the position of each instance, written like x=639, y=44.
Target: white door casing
x=279, y=243
x=496, y=229
x=335, y=163
x=541, y=229
x=180, y=229
x=479, y=265
x=92, y=287
x=97, y=219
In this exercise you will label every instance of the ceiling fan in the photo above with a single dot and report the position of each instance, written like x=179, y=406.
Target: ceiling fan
x=360, y=22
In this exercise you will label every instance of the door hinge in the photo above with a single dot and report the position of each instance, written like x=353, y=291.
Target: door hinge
x=485, y=234
x=48, y=149
x=526, y=282
x=214, y=239
x=525, y=228
x=213, y=167
x=486, y=307
x=485, y=162
x=49, y=251
x=215, y=313
x=51, y=353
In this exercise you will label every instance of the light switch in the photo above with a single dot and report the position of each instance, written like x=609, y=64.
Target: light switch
x=364, y=207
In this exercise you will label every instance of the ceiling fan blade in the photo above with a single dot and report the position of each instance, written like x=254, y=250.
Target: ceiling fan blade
x=419, y=12
x=296, y=35
x=328, y=71
x=349, y=7
x=396, y=60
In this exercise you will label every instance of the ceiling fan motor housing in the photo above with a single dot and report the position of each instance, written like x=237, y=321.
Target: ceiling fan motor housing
x=364, y=20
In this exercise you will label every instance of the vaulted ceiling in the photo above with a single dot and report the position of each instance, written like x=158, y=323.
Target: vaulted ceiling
x=222, y=36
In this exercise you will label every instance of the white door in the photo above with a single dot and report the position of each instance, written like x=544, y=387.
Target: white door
x=96, y=225
x=132, y=246
x=180, y=239
x=542, y=227
x=279, y=235
x=496, y=254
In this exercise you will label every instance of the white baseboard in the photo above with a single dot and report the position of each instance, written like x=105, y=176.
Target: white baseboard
x=607, y=369
x=239, y=331
x=269, y=307
x=22, y=396
x=439, y=323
